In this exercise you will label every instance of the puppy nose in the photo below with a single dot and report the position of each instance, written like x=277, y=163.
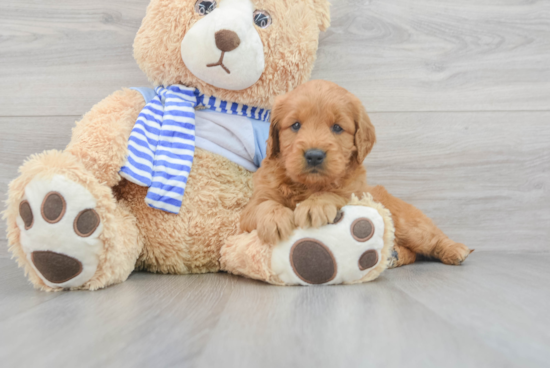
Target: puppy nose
x=227, y=40
x=315, y=157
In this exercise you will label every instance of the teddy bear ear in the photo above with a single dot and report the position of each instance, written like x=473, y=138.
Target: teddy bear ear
x=322, y=9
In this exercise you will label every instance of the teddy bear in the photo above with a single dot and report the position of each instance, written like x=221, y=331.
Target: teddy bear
x=156, y=179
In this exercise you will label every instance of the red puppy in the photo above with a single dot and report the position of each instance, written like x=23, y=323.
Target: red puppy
x=320, y=134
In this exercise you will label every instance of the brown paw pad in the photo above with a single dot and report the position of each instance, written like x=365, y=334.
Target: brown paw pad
x=368, y=259
x=25, y=212
x=312, y=261
x=86, y=223
x=53, y=207
x=55, y=267
x=362, y=229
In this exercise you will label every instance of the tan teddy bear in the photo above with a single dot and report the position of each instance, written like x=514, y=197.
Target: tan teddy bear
x=156, y=180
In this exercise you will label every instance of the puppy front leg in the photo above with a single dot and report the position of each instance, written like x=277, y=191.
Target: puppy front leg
x=272, y=220
x=416, y=231
x=318, y=210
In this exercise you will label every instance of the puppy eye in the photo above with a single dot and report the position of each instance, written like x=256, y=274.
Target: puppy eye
x=262, y=18
x=296, y=126
x=203, y=7
x=337, y=128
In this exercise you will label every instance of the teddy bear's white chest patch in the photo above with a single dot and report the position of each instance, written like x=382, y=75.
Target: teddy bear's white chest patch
x=237, y=138
x=224, y=48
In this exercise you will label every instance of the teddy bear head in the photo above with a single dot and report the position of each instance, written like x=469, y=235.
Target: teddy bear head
x=244, y=51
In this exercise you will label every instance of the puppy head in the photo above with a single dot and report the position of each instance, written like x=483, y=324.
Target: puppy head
x=319, y=132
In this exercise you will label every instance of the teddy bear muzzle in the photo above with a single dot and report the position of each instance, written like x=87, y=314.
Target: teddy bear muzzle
x=223, y=48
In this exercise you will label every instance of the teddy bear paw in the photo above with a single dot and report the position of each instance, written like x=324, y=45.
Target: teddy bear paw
x=343, y=252
x=60, y=231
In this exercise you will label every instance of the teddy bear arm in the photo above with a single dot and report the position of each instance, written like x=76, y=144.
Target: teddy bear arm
x=100, y=139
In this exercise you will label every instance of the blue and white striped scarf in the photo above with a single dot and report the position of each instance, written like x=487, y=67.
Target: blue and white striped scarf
x=162, y=143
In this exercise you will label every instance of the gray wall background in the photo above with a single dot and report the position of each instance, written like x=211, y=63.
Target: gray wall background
x=458, y=90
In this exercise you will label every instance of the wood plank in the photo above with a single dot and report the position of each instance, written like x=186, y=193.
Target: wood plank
x=483, y=179
x=423, y=315
x=440, y=55
x=61, y=57
x=427, y=55
x=17, y=294
x=21, y=138
x=374, y=325
x=4, y=253
x=515, y=282
x=116, y=326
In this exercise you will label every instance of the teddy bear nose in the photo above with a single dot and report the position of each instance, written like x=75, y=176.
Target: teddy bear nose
x=227, y=40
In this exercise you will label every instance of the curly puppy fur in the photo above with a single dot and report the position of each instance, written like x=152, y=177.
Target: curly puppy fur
x=289, y=192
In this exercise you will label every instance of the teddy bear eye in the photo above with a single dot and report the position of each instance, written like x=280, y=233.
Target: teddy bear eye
x=337, y=128
x=262, y=18
x=296, y=126
x=203, y=7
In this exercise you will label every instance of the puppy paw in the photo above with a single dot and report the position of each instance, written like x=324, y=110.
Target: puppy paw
x=401, y=256
x=393, y=259
x=278, y=226
x=313, y=214
x=455, y=254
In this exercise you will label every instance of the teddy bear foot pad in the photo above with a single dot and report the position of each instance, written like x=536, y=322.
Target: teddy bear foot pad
x=340, y=253
x=60, y=231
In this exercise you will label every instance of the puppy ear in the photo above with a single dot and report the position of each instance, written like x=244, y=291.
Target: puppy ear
x=365, y=135
x=273, y=148
x=322, y=9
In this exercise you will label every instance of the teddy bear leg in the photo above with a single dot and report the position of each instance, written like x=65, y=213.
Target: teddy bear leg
x=355, y=248
x=66, y=229
x=246, y=255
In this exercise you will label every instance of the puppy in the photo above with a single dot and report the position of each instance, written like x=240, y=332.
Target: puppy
x=319, y=136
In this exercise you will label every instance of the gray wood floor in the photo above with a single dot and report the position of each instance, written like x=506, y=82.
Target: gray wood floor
x=490, y=312
x=459, y=92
